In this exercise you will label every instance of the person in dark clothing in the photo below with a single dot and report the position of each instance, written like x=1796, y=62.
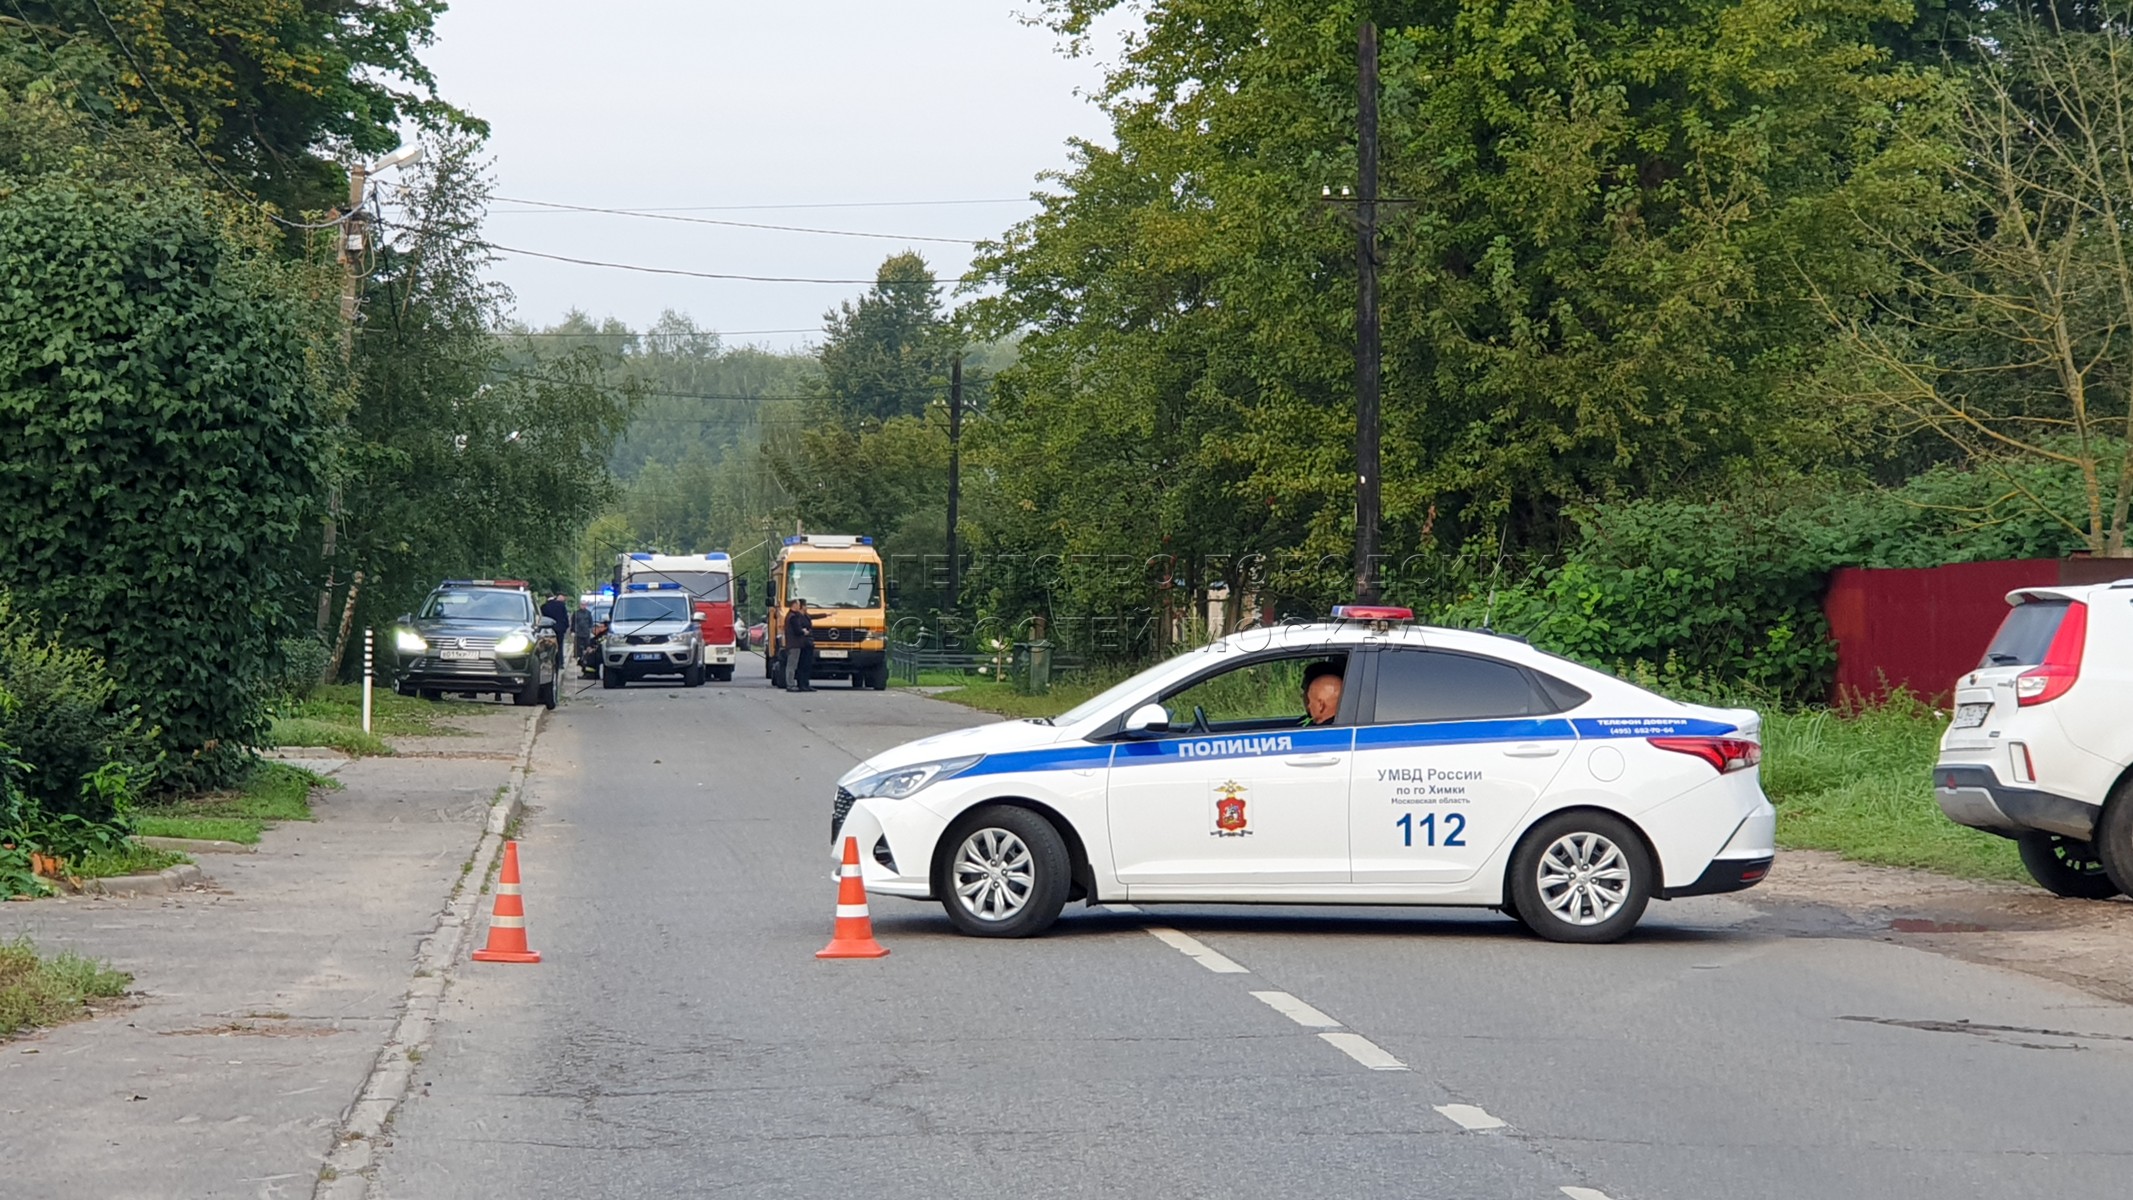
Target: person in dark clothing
x=557, y=610
x=581, y=631
x=799, y=648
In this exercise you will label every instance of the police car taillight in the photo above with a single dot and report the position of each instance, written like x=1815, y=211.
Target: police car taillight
x=1726, y=755
x=1372, y=612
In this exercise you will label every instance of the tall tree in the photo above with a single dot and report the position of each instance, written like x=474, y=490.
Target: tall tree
x=883, y=354
x=275, y=93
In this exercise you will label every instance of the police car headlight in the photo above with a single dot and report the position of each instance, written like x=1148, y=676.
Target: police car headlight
x=407, y=641
x=903, y=781
x=514, y=643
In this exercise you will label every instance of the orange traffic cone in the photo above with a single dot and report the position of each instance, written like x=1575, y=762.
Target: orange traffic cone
x=854, y=935
x=507, y=924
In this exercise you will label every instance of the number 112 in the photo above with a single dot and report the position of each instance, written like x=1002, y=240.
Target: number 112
x=1454, y=829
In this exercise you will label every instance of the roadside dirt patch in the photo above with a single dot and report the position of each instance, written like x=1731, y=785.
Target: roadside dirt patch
x=2086, y=944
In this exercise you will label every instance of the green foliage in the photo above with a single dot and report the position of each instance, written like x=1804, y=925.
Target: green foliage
x=277, y=92
x=302, y=661
x=271, y=792
x=1860, y=785
x=83, y=752
x=1717, y=590
x=462, y=457
x=37, y=991
x=160, y=419
x=1592, y=287
x=886, y=355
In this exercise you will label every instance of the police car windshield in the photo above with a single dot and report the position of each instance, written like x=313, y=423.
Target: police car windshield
x=630, y=609
x=466, y=605
x=1146, y=683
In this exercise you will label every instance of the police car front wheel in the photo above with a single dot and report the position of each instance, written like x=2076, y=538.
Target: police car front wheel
x=1581, y=877
x=1005, y=873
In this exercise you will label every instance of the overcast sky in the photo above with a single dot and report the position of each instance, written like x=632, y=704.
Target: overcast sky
x=728, y=107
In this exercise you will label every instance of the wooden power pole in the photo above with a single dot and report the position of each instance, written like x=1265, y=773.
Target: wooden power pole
x=352, y=243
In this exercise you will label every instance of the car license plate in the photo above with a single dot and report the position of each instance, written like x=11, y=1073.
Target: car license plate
x=1970, y=716
x=647, y=657
x=461, y=655
x=833, y=653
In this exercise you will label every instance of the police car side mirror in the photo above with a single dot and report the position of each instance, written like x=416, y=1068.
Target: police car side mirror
x=740, y=591
x=1148, y=718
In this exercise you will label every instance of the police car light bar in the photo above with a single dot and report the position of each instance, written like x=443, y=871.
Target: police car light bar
x=655, y=587
x=1372, y=612
x=641, y=556
x=511, y=583
x=717, y=555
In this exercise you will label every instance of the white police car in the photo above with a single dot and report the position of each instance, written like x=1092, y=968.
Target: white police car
x=1459, y=768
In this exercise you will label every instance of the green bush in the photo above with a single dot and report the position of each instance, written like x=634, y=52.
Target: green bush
x=303, y=663
x=1726, y=595
x=84, y=753
x=161, y=430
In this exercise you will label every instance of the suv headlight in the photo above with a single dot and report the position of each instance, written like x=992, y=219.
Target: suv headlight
x=407, y=641
x=903, y=781
x=514, y=643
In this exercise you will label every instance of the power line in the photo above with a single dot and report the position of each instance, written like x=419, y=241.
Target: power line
x=591, y=262
x=780, y=207
x=655, y=216
x=657, y=335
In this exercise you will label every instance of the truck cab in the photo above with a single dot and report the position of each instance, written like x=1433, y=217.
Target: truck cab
x=839, y=577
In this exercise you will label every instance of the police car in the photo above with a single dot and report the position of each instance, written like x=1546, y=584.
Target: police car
x=1449, y=767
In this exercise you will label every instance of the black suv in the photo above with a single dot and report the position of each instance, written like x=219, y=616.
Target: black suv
x=474, y=636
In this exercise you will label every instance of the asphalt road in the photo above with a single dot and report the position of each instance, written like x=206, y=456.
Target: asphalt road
x=681, y=1039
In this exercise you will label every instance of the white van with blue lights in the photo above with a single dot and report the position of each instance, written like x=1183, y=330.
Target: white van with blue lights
x=1362, y=760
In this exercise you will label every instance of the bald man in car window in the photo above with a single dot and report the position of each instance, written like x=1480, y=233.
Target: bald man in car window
x=1322, y=692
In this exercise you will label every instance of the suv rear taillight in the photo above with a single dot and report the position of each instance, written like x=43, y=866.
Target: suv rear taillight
x=2061, y=667
x=1725, y=754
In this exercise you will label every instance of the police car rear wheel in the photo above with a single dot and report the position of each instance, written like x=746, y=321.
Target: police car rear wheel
x=1006, y=874
x=1581, y=877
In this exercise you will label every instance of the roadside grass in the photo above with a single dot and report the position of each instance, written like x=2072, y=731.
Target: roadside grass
x=272, y=792
x=134, y=859
x=333, y=716
x=1860, y=785
x=37, y=991
x=988, y=695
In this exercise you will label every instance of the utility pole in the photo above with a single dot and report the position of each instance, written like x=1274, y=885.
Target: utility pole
x=955, y=474
x=352, y=244
x=1366, y=313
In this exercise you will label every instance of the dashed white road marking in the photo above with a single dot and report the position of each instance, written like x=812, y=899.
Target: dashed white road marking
x=1297, y=1011
x=1198, y=952
x=1471, y=1116
x=1364, y=1051
x=1578, y=1193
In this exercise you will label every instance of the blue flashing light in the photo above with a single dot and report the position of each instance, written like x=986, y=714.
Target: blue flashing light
x=717, y=555
x=641, y=556
x=865, y=541
x=607, y=589
x=794, y=540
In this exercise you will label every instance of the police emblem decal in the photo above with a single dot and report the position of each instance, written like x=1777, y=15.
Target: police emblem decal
x=1229, y=811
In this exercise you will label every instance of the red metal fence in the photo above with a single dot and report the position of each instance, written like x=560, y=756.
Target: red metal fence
x=1922, y=629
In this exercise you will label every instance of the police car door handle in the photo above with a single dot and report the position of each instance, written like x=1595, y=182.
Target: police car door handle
x=1534, y=750
x=1314, y=760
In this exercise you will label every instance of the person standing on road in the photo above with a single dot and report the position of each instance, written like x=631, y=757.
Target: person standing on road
x=558, y=610
x=799, y=646
x=581, y=630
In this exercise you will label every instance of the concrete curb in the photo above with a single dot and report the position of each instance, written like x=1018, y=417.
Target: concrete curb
x=347, y=1170
x=169, y=879
x=196, y=845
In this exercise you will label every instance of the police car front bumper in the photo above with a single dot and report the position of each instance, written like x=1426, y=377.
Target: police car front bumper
x=896, y=841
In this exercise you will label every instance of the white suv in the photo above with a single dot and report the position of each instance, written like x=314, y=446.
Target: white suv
x=2039, y=745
